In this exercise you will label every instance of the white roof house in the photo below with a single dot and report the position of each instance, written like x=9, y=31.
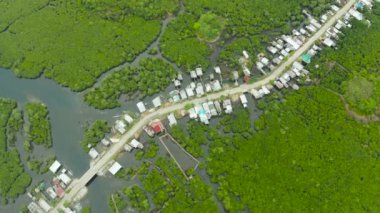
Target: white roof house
x=328, y=42
x=157, y=102
x=216, y=85
x=199, y=71
x=120, y=126
x=34, y=208
x=44, y=205
x=128, y=118
x=192, y=113
x=136, y=144
x=180, y=77
x=115, y=168
x=265, y=61
x=227, y=105
x=177, y=83
x=278, y=84
x=207, y=109
x=244, y=100
x=311, y=28
x=105, y=142
x=172, y=119
x=55, y=167
x=272, y=49
x=64, y=178
x=208, y=87
x=93, y=153
x=265, y=90
x=259, y=65
x=127, y=148
x=212, y=108
x=256, y=94
x=217, y=70
x=335, y=8
x=189, y=91
x=298, y=65
x=291, y=42
x=315, y=23
x=199, y=89
x=183, y=94
x=218, y=107
x=193, y=74
x=141, y=106
x=356, y=14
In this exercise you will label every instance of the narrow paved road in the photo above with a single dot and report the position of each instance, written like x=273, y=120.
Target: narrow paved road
x=77, y=185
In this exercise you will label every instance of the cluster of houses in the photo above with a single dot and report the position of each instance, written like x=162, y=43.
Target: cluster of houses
x=46, y=194
x=194, y=89
x=205, y=111
x=119, y=128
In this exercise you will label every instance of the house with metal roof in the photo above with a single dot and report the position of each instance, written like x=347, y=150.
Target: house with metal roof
x=115, y=168
x=141, y=107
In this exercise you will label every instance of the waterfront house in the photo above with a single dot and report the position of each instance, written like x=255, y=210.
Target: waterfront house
x=172, y=120
x=157, y=102
x=208, y=87
x=127, y=148
x=44, y=205
x=192, y=113
x=199, y=71
x=55, y=166
x=148, y=130
x=128, y=118
x=141, y=107
x=212, y=108
x=157, y=126
x=136, y=144
x=120, y=126
x=227, y=105
x=183, y=94
x=177, y=83
x=199, y=90
x=278, y=84
x=190, y=92
x=244, y=100
x=64, y=178
x=179, y=77
x=105, y=142
x=255, y=94
x=115, y=168
x=218, y=107
x=93, y=153
x=328, y=42
x=216, y=85
x=193, y=74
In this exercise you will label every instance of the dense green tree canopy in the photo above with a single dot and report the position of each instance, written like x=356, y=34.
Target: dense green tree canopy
x=149, y=78
x=38, y=128
x=13, y=179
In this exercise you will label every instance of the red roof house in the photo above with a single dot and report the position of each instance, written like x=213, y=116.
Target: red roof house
x=157, y=126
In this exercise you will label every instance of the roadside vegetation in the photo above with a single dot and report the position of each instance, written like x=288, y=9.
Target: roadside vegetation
x=150, y=77
x=38, y=128
x=94, y=133
x=13, y=179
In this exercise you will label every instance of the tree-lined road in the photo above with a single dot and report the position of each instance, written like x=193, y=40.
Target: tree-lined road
x=77, y=185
